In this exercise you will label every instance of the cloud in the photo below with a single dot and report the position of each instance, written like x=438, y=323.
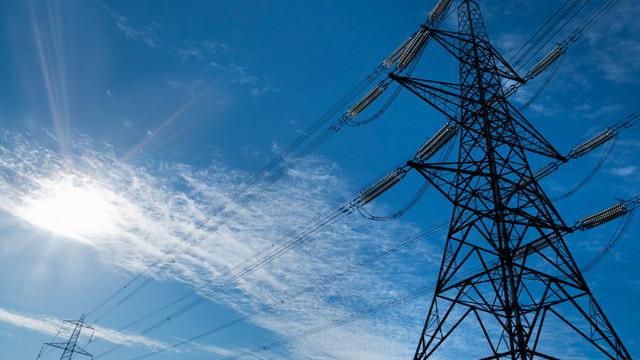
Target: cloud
x=614, y=48
x=214, y=54
x=605, y=111
x=146, y=34
x=193, y=88
x=202, y=50
x=259, y=91
x=624, y=171
x=164, y=215
x=48, y=325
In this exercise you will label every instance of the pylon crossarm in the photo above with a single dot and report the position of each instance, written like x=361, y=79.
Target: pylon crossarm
x=441, y=97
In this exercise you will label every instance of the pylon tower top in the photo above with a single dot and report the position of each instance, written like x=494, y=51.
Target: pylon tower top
x=70, y=348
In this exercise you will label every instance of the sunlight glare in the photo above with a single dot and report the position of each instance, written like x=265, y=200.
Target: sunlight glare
x=73, y=209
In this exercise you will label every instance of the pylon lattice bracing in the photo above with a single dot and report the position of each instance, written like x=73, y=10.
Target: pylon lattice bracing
x=506, y=265
x=70, y=348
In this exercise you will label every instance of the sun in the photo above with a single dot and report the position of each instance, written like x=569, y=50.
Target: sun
x=72, y=208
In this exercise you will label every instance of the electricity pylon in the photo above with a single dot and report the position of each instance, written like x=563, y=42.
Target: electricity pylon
x=506, y=266
x=71, y=347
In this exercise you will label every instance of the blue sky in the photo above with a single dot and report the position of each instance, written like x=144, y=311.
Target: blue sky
x=126, y=125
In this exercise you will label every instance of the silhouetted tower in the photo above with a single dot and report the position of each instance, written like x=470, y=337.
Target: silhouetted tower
x=506, y=266
x=70, y=347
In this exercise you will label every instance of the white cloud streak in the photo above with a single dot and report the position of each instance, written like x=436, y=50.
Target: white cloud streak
x=50, y=326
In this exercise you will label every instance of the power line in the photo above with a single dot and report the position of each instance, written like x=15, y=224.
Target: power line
x=402, y=58
x=244, y=272
x=70, y=348
x=501, y=215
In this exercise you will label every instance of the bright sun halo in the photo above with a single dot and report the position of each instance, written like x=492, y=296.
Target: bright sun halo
x=71, y=208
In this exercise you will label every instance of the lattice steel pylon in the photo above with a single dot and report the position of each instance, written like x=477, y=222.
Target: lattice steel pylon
x=70, y=348
x=506, y=267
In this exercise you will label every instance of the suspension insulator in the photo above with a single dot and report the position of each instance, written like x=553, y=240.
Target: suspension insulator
x=366, y=100
x=437, y=141
x=545, y=170
x=592, y=143
x=391, y=59
x=413, y=47
x=382, y=185
x=439, y=10
x=545, y=62
x=603, y=216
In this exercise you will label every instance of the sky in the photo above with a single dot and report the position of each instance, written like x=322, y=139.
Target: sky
x=127, y=128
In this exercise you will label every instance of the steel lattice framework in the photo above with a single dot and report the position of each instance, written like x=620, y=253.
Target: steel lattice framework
x=70, y=348
x=506, y=266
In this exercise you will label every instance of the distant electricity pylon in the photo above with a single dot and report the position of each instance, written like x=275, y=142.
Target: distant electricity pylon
x=506, y=266
x=70, y=347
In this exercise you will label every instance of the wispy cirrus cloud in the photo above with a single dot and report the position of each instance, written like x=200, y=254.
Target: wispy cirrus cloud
x=212, y=54
x=146, y=34
x=163, y=215
x=624, y=171
x=614, y=49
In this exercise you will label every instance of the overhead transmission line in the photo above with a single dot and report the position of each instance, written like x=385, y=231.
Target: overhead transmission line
x=400, y=60
x=588, y=222
x=409, y=50
x=272, y=256
x=375, y=191
x=545, y=34
x=578, y=151
x=308, y=289
x=570, y=8
x=622, y=209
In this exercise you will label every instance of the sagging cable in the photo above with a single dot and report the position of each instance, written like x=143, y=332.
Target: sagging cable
x=408, y=206
x=432, y=145
x=540, y=89
x=603, y=158
x=617, y=236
